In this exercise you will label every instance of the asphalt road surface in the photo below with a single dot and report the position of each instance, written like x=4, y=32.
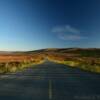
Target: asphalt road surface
x=50, y=81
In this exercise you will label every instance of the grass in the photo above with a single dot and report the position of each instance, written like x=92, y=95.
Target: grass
x=88, y=61
x=85, y=59
x=13, y=63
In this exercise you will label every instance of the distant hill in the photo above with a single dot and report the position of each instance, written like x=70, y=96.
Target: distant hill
x=81, y=51
x=84, y=58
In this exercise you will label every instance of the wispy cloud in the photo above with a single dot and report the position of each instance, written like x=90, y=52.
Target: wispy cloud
x=68, y=33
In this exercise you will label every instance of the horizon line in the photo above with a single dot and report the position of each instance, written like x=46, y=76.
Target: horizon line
x=49, y=48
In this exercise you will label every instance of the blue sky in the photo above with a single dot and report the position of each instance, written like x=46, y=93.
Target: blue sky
x=37, y=24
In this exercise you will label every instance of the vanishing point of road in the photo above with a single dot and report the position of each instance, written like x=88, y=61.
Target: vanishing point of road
x=50, y=81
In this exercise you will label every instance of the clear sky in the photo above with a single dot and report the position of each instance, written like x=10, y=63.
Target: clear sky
x=37, y=24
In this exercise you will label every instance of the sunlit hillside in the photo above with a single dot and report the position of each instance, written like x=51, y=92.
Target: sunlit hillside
x=86, y=59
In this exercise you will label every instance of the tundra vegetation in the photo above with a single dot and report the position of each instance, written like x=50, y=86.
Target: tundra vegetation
x=85, y=59
x=16, y=62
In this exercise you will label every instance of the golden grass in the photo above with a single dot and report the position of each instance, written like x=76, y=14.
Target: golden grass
x=90, y=64
x=13, y=63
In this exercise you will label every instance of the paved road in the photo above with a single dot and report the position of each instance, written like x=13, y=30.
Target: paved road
x=50, y=81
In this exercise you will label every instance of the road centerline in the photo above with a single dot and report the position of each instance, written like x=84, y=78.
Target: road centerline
x=50, y=89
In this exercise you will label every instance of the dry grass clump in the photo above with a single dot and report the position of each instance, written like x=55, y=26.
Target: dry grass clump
x=13, y=63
